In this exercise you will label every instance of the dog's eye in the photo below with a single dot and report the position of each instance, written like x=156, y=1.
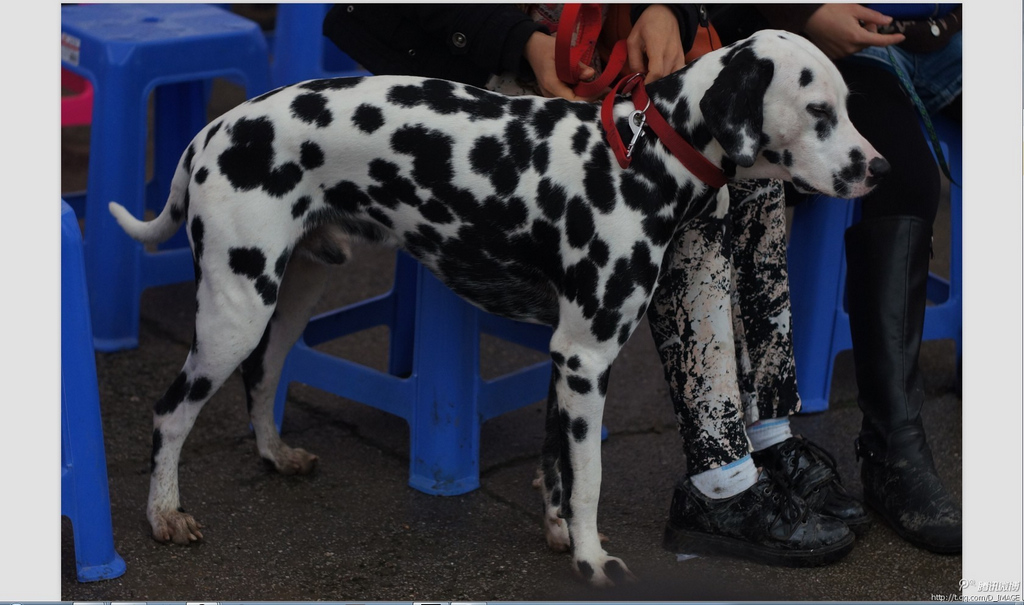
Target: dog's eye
x=819, y=110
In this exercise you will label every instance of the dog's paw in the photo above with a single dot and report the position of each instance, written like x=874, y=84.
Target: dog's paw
x=604, y=571
x=556, y=532
x=176, y=526
x=297, y=461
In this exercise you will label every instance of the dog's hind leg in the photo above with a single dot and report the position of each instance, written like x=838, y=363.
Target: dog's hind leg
x=556, y=531
x=301, y=288
x=225, y=335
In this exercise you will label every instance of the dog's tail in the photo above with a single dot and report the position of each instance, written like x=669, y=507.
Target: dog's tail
x=167, y=223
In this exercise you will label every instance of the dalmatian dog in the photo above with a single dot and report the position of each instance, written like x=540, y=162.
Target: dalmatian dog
x=517, y=204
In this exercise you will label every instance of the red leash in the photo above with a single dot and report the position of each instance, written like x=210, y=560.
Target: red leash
x=583, y=22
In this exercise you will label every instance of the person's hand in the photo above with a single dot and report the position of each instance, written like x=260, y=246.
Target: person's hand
x=653, y=45
x=840, y=30
x=540, y=53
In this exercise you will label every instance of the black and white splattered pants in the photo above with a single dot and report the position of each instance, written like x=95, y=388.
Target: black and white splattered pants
x=721, y=321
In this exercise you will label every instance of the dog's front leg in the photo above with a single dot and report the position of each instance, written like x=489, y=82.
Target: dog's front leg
x=580, y=383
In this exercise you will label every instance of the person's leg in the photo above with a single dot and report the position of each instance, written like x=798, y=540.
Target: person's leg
x=764, y=345
x=887, y=256
x=725, y=506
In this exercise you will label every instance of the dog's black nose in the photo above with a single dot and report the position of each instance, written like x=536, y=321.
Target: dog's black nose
x=878, y=168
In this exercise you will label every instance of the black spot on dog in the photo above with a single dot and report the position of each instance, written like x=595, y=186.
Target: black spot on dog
x=249, y=262
x=267, y=289
x=311, y=108
x=346, y=197
x=198, y=230
x=209, y=136
x=158, y=443
x=579, y=425
x=301, y=206
x=624, y=332
x=200, y=389
x=174, y=396
x=540, y=158
x=585, y=569
x=393, y=188
x=597, y=181
x=806, y=77
x=431, y=151
x=547, y=116
x=249, y=162
x=520, y=148
x=282, y=263
x=825, y=119
x=580, y=139
x=558, y=358
x=201, y=175
x=368, y=118
x=331, y=84
x=376, y=214
x=602, y=382
x=439, y=96
x=436, y=212
x=604, y=324
x=580, y=286
x=772, y=156
x=615, y=572
x=551, y=199
x=579, y=223
x=311, y=156
x=252, y=368
x=266, y=95
x=787, y=158
x=619, y=285
x=574, y=363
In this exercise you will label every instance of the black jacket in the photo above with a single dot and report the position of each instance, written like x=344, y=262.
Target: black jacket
x=461, y=42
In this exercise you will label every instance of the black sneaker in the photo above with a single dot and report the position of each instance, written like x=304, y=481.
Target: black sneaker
x=810, y=472
x=767, y=523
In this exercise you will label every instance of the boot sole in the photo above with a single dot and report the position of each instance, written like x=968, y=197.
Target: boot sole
x=698, y=543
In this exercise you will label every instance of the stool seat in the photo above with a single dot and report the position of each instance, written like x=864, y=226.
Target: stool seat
x=84, y=496
x=127, y=52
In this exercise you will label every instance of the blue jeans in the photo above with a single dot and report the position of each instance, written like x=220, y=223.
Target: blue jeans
x=937, y=76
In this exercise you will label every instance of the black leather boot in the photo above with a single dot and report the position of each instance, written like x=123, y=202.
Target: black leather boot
x=887, y=260
x=810, y=472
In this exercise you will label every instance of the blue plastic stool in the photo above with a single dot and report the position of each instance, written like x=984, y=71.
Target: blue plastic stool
x=128, y=51
x=84, y=496
x=299, y=51
x=817, y=279
x=433, y=379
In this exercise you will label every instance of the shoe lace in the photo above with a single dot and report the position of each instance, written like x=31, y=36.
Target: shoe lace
x=791, y=507
x=801, y=447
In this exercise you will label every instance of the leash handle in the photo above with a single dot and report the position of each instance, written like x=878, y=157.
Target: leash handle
x=575, y=42
x=908, y=86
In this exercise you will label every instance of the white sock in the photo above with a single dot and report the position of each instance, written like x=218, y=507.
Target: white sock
x=766, y=433
x=727, y=481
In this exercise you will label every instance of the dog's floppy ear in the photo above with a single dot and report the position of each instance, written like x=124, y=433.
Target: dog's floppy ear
x=734, y=105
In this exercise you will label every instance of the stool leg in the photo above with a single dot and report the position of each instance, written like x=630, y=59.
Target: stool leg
x=815, y=259
x=403, y=325
x=445, y=427
x=85, y=497
x=112, y=259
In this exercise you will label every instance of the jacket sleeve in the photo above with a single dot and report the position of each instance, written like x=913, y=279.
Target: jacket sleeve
x=688, y=15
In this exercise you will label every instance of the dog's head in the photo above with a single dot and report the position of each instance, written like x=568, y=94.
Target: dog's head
x=778, y=109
